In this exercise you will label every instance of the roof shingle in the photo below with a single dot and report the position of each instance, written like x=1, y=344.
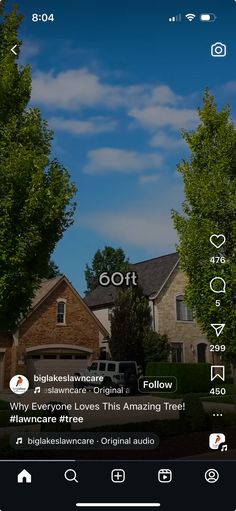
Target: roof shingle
x=152, y=274
x=45, y=287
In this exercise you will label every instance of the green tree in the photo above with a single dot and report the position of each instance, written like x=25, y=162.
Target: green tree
x=130, y=320
x=36, y=196
x=107, y=260
x=210, y=208
x=156, y=347
x=52, y=270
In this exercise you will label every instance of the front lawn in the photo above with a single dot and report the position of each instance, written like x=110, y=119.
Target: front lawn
x=228, y=398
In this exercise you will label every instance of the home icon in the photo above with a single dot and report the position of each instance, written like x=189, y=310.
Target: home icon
x=24, y=477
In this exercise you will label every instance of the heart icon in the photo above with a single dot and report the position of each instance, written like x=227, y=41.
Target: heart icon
x=217, y=240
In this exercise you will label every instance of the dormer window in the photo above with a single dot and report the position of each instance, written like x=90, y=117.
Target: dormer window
x=61, y=312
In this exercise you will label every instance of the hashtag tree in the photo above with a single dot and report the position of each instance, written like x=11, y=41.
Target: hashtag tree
x=36, y=196
x=210, y=208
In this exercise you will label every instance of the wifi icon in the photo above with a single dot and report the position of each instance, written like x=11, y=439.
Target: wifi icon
x=190, y=17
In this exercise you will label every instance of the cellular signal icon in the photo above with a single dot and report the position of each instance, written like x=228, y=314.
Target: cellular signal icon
x=176, y=18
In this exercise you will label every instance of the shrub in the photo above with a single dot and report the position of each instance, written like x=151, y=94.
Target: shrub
x=190, y=377
x=4, y=405
x=156, y=347
x=194, y=414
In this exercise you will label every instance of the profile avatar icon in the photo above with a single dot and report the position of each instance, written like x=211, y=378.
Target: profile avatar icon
x=19, y=384
x=212, y=475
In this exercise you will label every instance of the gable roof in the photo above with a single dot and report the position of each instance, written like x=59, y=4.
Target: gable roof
x=47, y=286
x=152, y=275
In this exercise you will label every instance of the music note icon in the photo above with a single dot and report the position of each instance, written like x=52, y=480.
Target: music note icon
x=37, y=390
x=224, y=448
x=19, y=441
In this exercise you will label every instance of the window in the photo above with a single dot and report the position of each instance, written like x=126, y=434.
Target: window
x=61, y=313
x=177, y=352
x=111, y=367
x=183, y=313
x=102, y=366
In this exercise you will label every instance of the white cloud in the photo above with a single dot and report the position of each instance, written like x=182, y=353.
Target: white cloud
x=163, y=95
x=163, y=116
x=77, y=88
x=108, y=159
x=166, y=141
x=29, y=49
x=94, y=125
x=144, y=223
x=68, y=89
x=230, y=86
x=81, y=88
x=145, y=228
x=148, y=178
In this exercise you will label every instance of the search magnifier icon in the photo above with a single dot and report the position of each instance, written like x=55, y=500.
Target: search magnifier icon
x=71, y=475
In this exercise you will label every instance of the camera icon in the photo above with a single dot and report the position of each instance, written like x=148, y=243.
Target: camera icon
x=218, y=50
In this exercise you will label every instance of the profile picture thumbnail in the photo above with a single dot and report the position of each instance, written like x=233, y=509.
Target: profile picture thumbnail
x=19, y=384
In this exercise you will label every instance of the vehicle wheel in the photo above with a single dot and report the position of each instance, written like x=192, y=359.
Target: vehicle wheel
x=132, y=384
x=78, y=384
x=107, y=382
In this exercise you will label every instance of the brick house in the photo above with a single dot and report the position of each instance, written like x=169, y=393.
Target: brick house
x=163, y=283
x=59, y=335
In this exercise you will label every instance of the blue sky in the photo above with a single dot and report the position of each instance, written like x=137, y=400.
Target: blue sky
x=117, y=82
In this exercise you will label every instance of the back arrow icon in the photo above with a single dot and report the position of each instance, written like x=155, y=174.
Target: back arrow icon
x=13, y=49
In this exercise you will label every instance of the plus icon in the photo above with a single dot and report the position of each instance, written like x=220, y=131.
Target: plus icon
x=118, y=475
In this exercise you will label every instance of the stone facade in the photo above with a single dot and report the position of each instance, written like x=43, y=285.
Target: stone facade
x=163, y=308
x=165, y=319
x=40, y=330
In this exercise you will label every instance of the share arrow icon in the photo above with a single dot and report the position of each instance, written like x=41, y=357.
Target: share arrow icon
x=218, y=327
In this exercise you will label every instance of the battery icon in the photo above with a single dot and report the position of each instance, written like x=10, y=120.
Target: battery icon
x=208, y=17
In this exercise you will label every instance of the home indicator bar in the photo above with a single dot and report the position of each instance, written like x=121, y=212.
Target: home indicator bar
x=118, y=504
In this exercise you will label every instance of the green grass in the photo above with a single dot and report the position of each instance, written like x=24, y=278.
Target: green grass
x=228, y=398
x=223, y=399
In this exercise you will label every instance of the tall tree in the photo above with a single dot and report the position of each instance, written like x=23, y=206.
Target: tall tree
x=107, y=260
x=131, y=318
x=52, y=270
x=36, y=196
x=210, y=208
x=156, y=347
